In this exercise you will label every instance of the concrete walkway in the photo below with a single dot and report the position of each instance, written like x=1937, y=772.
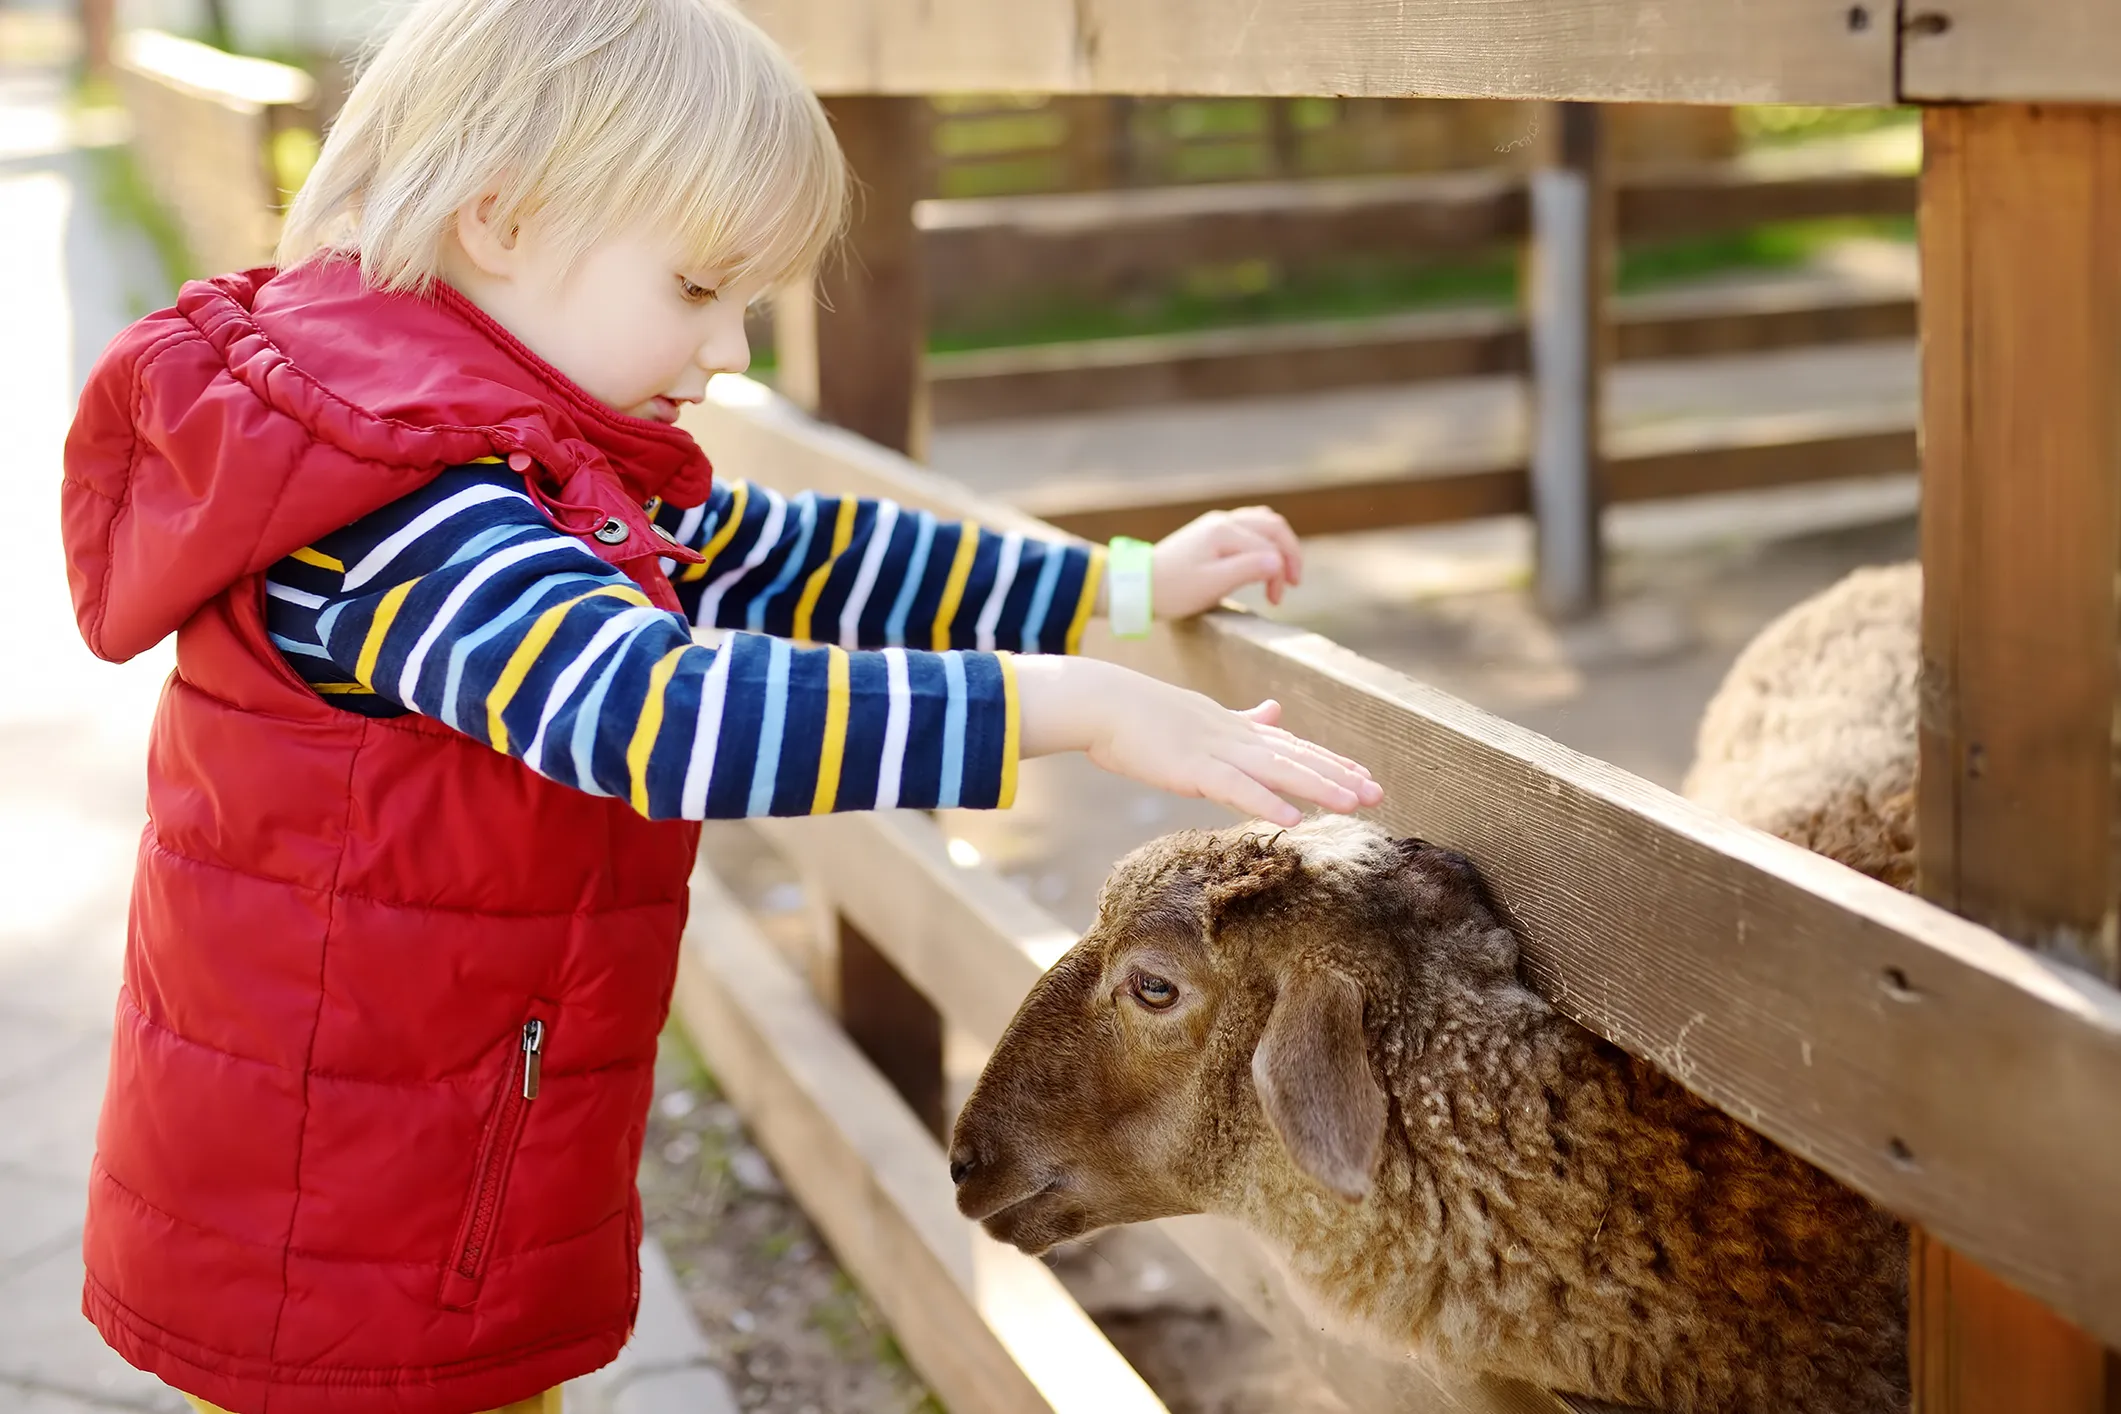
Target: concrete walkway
x=72, y=755
x=73, y=737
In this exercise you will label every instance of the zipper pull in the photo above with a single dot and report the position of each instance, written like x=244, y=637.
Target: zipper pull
x=533, y=1048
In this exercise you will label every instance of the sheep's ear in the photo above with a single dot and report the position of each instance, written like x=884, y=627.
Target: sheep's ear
x=1312, y=1071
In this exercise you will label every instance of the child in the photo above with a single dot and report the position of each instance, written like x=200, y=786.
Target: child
x=406, y=915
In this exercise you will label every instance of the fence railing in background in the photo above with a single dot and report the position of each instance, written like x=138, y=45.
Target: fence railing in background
x=204, y=122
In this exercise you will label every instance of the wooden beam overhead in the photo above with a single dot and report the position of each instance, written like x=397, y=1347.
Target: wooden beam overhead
x=1683, y=51
x=2052, y=51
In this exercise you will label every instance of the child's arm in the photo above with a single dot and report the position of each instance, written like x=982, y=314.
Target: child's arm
x=462, y=603
x=869, y=573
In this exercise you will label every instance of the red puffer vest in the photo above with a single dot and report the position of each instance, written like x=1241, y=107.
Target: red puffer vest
x=384, y=1048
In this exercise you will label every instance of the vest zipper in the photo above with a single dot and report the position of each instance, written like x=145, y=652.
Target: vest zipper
x=496, y=1157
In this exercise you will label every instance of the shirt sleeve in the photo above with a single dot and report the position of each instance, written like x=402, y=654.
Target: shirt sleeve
x=870, y=574
x=463, y=603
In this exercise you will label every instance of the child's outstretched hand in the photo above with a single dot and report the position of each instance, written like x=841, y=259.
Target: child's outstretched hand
x=1199, y=565
x=1182, y=742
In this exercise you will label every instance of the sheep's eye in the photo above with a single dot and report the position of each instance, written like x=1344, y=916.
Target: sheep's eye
x=1153, y=992
x=694, y=294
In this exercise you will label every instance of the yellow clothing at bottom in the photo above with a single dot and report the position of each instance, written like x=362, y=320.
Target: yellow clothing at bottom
x=546, y=1403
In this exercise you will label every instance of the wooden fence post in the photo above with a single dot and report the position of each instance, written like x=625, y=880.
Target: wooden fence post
x=1571, y=264
x=850, y=348
x=2018, y=817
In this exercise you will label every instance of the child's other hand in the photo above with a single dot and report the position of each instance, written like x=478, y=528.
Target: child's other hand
x=1182, y=742
x=1197, y=566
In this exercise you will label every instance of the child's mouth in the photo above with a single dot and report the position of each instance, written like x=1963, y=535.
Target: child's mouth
x=661, y=410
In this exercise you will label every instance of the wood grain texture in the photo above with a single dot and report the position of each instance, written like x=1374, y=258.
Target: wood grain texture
x=2021, y=547
x=1682, y=51
x=1430, y=345
x=1947, y=1073
x=986, y=1327
x=2063, y=51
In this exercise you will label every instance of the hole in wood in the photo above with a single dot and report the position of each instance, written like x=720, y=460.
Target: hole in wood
x=1897, y=986
x=1929, y=24
x=1899, y=1153
x=1859, y=19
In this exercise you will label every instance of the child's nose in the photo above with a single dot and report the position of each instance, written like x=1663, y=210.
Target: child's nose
x=726, y=352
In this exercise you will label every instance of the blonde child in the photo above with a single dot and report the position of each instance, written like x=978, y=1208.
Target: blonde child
x=406, y=913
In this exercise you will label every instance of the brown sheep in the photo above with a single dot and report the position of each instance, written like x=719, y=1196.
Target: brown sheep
x=1323, y=1034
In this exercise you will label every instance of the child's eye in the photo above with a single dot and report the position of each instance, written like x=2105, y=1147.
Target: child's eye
x=694, y=294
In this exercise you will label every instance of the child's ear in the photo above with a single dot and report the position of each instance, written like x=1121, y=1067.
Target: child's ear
x=492, y=246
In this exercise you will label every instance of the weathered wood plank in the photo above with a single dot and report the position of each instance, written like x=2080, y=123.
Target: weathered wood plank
x=2061, y=51
x=1641, y=464
x=202, y=123
x=1431, y=345
x=2017, y=811
x=1706, y=51
x=986, y=1327
x=979, y=252
x=1929, y=1062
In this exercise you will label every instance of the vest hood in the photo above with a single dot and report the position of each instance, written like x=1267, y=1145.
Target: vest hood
x=198, y=423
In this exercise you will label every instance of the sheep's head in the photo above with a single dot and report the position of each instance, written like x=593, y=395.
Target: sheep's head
x=1217, y=1026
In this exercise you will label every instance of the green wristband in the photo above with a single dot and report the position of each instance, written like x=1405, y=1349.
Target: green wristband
x=1127, y=571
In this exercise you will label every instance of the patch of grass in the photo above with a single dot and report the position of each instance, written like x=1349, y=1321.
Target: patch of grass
x=1255, y=292
x=1782, y=125
x=1780, y=246
x=294, y=157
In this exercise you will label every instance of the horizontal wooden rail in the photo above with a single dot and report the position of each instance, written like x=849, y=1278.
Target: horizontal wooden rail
x=1964, y=1083
x=1274, y=359
x=202, y=123
x=1679, y=51
x=1643, y=464
x=1671, y=51
x=985, y=1326
x=979, y=251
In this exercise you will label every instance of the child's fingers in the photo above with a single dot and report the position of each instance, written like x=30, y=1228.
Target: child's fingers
x=1290, y=741
x=1270, y=526
x=1267, y=714
x=1288, y=776
x=1227, y=785
x=1345, y=775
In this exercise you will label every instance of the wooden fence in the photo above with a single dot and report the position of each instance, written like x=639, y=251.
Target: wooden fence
x=203, y=128
x=994, y=259
x=1969, y=1083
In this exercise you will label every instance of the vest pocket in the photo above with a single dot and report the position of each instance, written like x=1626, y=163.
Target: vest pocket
x=497, y=1152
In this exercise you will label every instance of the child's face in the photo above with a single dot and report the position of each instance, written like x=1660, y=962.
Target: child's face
x=628, y=322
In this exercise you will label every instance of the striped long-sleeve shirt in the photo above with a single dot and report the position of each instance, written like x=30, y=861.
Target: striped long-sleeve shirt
x=463, y=603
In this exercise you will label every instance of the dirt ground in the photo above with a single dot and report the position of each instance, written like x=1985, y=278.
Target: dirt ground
x=1691, y=584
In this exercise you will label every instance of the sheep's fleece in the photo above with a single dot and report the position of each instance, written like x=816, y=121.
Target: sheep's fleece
x=1441, y=1160
x=1534, y=1202
x=1812, y=735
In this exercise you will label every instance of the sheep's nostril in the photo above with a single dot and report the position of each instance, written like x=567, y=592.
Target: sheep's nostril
x=961, y=1169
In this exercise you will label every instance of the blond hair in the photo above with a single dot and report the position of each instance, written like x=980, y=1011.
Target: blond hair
x=587, y=117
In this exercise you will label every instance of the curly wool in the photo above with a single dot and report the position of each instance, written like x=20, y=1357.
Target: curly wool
x=1812, y=735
